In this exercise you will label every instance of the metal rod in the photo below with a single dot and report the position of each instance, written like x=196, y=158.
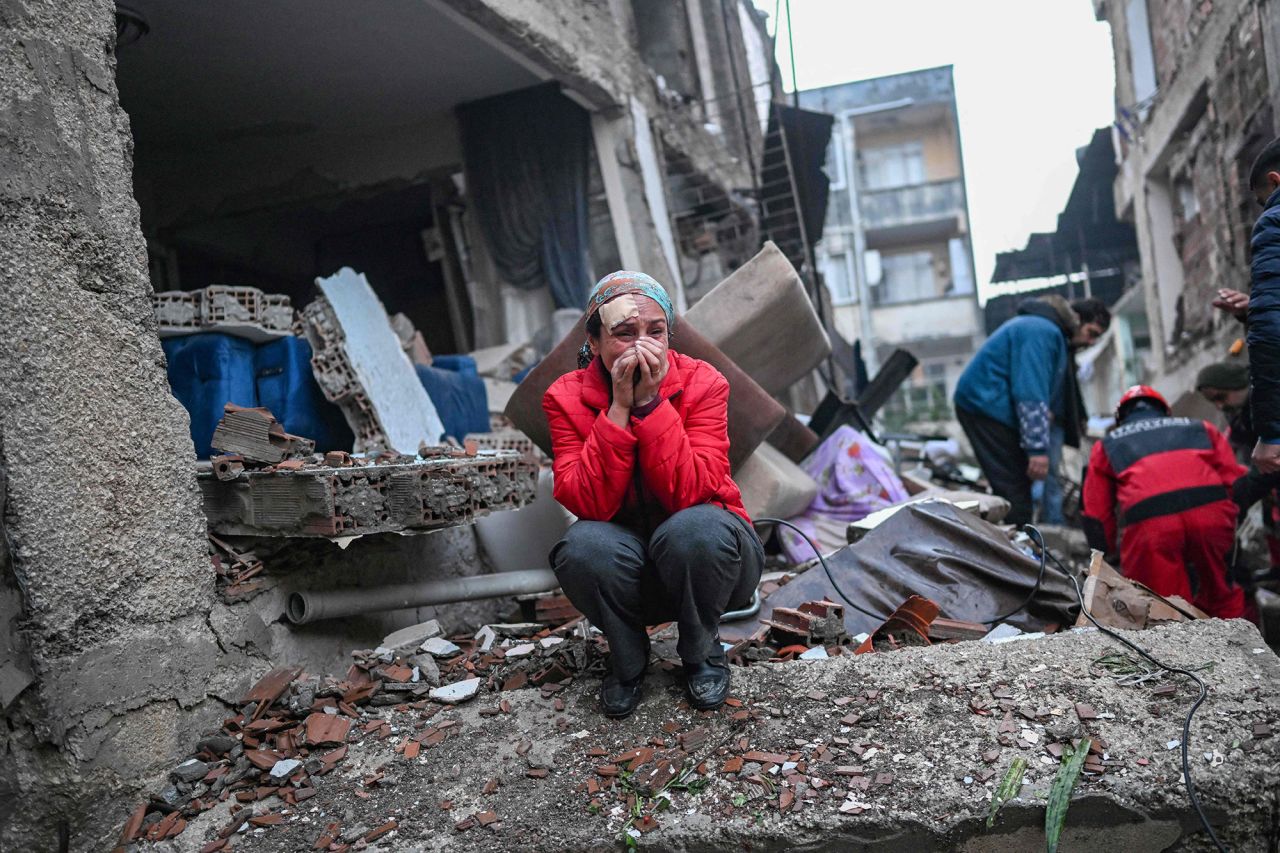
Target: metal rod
x=312, y=606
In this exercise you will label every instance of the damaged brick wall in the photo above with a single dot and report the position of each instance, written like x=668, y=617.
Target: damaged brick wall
x=1209, y=164
x=1175, y=24
x=103, y=512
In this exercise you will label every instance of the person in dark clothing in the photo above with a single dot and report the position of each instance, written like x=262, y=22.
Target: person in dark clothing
x=1264, y=311
x=1020, y=383
x=1169, y=478
x=1226, y=385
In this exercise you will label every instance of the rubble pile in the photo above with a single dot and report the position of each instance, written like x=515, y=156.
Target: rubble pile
x=919, y=741
x=270, y=483
x=293, y=728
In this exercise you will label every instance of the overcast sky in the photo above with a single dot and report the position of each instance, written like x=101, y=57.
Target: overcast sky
x=1034, y=78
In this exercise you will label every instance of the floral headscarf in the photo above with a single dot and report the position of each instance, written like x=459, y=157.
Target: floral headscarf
x=617, y=284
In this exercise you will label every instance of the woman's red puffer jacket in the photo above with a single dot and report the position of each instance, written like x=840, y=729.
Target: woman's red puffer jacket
x=675, y=457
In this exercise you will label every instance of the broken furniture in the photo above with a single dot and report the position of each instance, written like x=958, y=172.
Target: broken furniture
x=398, y=495
x=360, y=365
x=773, y=486
x=206, y=371
x=968, y=566
x=762, y=319
x=242, y=312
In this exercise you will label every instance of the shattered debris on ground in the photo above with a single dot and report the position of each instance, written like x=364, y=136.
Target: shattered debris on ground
x=914, y=744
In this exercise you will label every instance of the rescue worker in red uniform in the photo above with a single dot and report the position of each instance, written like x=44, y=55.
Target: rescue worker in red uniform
x=1170, y=478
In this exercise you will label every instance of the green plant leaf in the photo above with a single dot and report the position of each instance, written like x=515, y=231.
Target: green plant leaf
x=1008, y=788
x=1055, y=813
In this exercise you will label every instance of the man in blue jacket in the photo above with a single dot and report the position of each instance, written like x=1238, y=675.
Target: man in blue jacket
x=1020, y=383
x=1264, y=311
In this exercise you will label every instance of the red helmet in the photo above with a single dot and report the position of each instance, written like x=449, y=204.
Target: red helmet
x=1141, y=392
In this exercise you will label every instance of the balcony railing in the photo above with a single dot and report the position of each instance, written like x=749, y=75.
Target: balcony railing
x=910, y=205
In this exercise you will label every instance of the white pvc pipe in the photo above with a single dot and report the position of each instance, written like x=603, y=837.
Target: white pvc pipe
x=311, y=606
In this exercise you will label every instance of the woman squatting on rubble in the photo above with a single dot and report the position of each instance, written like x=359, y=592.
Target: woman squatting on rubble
x=640, y=438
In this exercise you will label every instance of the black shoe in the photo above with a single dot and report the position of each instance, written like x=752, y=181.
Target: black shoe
x=707, y=683
x=619, y=698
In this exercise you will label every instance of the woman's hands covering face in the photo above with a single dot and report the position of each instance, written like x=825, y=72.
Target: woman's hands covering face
x=638, y=373
x=652, y=366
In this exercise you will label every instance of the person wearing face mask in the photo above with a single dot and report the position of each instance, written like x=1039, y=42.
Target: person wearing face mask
x=640, y=443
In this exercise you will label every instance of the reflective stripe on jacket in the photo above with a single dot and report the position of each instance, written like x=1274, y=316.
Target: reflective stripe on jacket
x=1150, y=466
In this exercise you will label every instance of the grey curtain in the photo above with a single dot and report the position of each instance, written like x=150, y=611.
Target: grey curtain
x=526, y=160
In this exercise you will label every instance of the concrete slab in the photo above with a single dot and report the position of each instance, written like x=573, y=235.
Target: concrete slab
x=909, y=747
x=402, y=496
x=360, y=365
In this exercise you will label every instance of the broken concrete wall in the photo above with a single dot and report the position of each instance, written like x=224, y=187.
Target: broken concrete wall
x=1208, y=168
x=1186, y=159
x=589, y=46
x=102, y=513
x=257, y=636
x=1175, y=26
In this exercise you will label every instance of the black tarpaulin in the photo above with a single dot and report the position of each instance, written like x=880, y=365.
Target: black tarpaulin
x=937, y=550
x=792, y=183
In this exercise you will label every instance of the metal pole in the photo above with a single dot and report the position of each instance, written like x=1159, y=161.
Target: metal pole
x=861, y=286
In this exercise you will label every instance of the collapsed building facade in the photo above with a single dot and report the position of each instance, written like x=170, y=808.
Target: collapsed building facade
x=1197, y=97
x=159, y=147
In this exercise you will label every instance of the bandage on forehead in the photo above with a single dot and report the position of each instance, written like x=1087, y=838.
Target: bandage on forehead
x=618, y=310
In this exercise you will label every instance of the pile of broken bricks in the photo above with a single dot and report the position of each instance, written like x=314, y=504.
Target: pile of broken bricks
x=778, y=748
x=293, y=728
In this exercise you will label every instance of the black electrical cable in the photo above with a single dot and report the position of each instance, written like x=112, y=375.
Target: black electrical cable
x=1186, y=723
x=1030, y=595
x=834, y=585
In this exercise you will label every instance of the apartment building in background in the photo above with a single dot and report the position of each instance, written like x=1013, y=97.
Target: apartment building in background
x=896, y=250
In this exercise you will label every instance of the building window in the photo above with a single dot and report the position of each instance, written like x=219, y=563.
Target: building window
x=893, y=166
x=839, y=282
x=834, y=164
x=961, y=271
x=905, y=277
x=1142, y=63
x=1188, y=202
